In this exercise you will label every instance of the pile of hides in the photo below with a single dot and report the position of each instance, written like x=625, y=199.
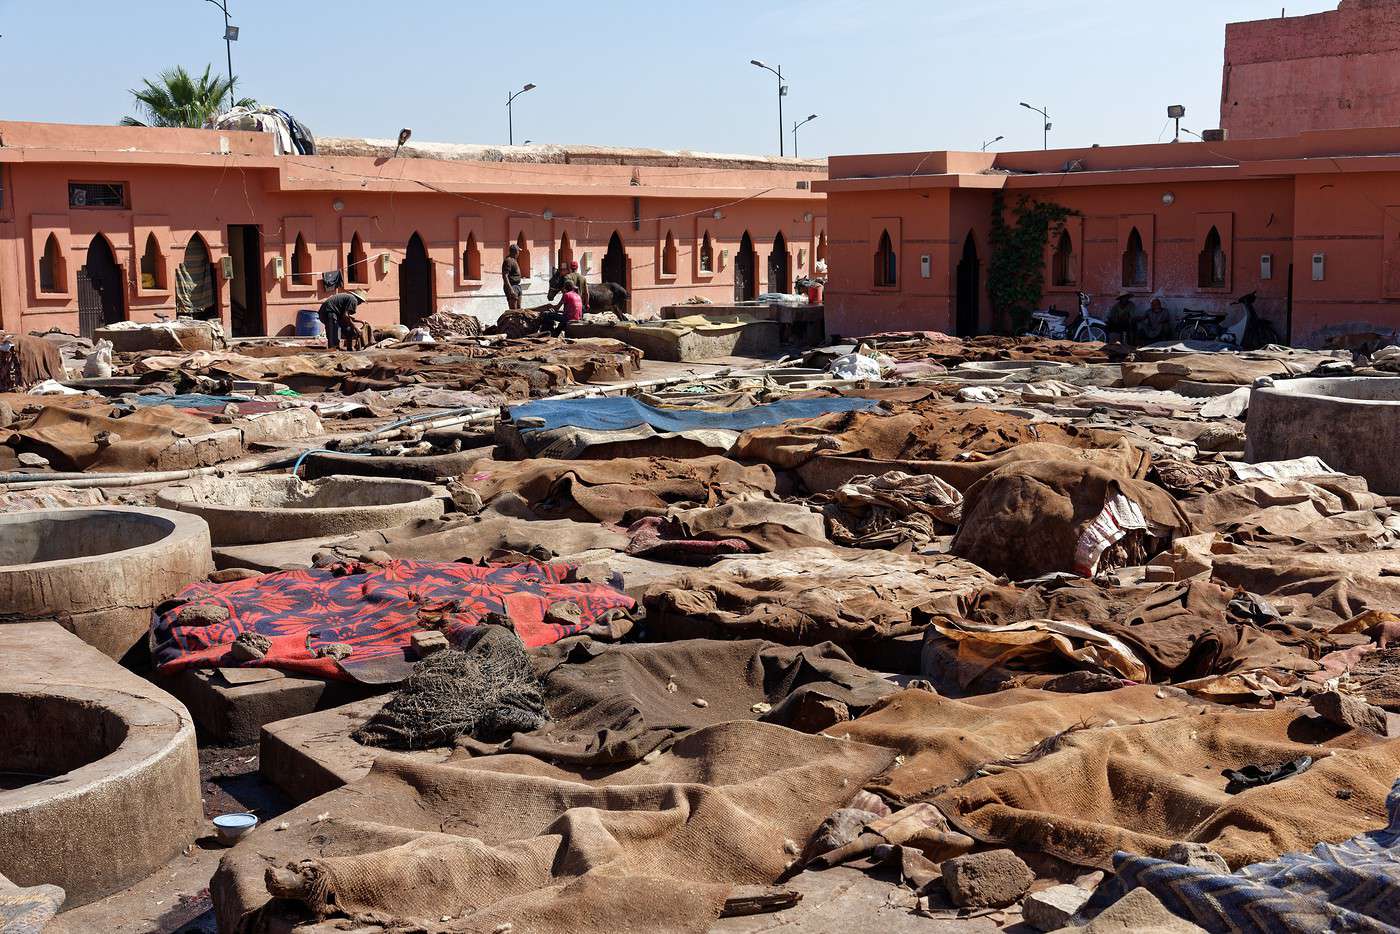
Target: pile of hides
x=613, y=705
x=807, y=596
x=486, y=690
x=309, y=618
x=1227, y=369
x=1043, y=517
x=513, y=843
x=929, y=432
x=618, y=489
x=892, y=510
x=1190, y=633
x=451, y=325
x=1347, y=886
x=25, y=361
x=153, y=437
x=689, y=536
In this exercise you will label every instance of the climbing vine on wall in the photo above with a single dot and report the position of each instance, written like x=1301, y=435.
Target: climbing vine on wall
x=1016, y=272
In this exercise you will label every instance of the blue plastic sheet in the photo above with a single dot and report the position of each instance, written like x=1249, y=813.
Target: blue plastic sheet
x=616, y=414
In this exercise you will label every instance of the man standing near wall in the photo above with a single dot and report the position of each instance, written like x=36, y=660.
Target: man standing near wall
x=580, y=283
x=510, y=276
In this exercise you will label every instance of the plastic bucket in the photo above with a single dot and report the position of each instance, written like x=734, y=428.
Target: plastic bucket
x=309, y=323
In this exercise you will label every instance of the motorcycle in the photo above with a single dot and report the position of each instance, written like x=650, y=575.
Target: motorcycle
x=1052, y=324
x=1254, y=333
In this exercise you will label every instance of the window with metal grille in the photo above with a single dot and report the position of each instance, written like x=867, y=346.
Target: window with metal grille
x=97, y=194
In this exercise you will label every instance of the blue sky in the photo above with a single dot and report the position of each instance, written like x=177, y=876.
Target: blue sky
x=884, y=76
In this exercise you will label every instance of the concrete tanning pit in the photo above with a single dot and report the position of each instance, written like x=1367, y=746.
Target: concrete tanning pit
x=253, y=510
x=99, y=774
x=99, y=572
x=1352, y=423
x=1004, y=369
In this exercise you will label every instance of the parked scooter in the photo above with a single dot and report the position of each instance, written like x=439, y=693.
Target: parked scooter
x=1210, y=326
x=1051, y=323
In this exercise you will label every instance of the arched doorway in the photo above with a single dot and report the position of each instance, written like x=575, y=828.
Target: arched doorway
x=101, y=298
x=195, y=291
x=615, y=264
x=778, y=265
x=969, y=288
x=745, y=280
x=415, y=283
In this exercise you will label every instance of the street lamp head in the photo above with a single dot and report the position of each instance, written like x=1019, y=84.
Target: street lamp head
x=404, y=134
x=1027, y=106
x=754, y=61
x=528, y=87
x=812, y=117
x=999, y=139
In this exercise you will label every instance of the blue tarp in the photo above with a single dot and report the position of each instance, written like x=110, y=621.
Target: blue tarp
x=188, y=400
x=1350, y=886
x=615, y=414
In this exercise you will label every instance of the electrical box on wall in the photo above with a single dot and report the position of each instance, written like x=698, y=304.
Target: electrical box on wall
x=226, y=267
x=585, y=263
x=1319, y=265
x=723, y=258
x=383, y=264
x=1266, y=266
x=279, y=268
x=925, y=266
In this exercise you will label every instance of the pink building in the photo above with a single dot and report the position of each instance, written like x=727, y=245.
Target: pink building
x=1309, y=222
x=100, y=224
x=1329, y=71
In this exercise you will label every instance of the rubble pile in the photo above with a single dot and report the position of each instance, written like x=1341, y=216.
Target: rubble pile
x=1012, y=630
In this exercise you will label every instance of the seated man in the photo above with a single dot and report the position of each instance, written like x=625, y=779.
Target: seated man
x=569, y=308
x=1155, y=324
x=337, y=314
x=1121, y=319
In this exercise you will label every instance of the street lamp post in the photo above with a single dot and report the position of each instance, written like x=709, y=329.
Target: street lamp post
x=782, y=92
x=797, y=126
x=230, y=37
x=510, y=109
x=1045, y=138
x=991, y=142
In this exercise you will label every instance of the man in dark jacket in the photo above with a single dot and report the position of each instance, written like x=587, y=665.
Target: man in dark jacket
x=337, y=314
x=510, y=276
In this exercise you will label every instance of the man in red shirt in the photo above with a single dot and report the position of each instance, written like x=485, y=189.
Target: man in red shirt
x=569, y=308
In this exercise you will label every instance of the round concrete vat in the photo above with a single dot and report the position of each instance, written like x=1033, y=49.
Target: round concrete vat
x=252, y=510
x=99, y=572
x=99, y=787
x=1352, y=423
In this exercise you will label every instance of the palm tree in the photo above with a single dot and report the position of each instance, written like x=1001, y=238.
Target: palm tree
x=177, y=99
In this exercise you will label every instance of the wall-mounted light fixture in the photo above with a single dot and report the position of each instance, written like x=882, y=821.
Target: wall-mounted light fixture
x=1168, y=198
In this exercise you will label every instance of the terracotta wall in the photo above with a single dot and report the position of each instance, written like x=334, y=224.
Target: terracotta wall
x=186, y=183
x=1333, y=70
x=1253, y=218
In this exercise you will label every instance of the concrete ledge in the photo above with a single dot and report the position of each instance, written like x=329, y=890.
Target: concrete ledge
x=312, y=754
x=123, y=796
x=1352, y=423
x=231, y=705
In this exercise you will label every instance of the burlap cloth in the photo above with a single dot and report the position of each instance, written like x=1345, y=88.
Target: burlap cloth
x=614, y=704
x=509, y=839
